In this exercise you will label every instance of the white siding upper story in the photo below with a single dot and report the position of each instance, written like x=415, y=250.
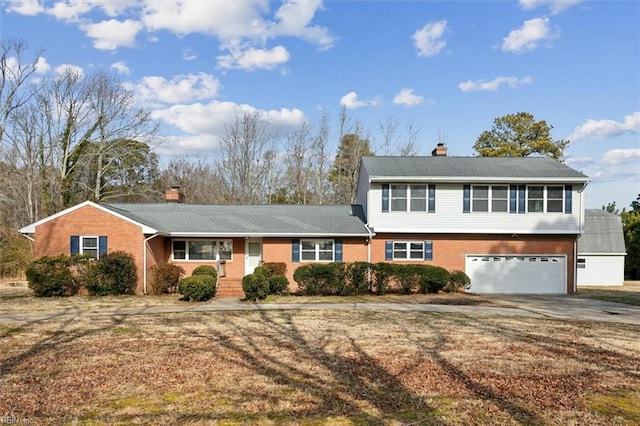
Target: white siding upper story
x=449, y=217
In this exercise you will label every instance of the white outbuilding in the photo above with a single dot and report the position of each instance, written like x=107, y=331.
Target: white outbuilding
x=601, y=250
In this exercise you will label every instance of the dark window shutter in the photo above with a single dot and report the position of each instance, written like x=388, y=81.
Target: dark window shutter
x=74, y=243
x=385, y=197
x=388, y=250
x=432, y=198
x=513, y=199
x=337, y=251
x=522, y=199
x=568, y=191
x=102, y=245
x=428, y=250
x=466, y=199
x=295, y=250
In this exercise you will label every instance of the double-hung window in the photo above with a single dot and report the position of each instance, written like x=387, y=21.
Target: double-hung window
x=545, y=199
x=406, y=197
x=316, y=250
x=89, y=246
x=202, y=250
x=409, y=250
x=490, y=198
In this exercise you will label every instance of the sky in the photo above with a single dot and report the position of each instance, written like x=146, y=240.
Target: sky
x=442, y=70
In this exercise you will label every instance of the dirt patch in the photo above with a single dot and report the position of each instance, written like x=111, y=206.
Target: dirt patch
x=320, y=367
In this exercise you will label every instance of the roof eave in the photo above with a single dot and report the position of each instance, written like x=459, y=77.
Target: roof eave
x=465, y=179
x=265, y=234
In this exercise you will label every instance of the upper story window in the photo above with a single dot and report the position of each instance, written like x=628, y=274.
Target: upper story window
x=316, y=250
x=545, y=199
x=408, y=197
x=490, y=198
x=202, y=250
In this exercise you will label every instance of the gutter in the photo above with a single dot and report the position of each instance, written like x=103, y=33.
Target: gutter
x=144, y=262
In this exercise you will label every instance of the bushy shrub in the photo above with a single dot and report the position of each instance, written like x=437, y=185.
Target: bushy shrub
x=382, y=273
x=408, y=276
x=114, y=273
x=165, y=278
x=206, y=270
x=51, y=277
x=197, y=288
x=359, y=278
x=262, y=271
x=433, y=278
x=315, y=279
x=278, y=284
x=458, y=281
x=255, y=286
x=276, y=268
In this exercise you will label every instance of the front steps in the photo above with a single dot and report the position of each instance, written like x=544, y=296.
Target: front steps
x=230, y=288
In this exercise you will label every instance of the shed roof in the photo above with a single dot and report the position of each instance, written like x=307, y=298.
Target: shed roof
x=470, y=167
x=602, y=233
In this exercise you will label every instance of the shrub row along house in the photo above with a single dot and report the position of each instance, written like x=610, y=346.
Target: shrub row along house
x=511, y=224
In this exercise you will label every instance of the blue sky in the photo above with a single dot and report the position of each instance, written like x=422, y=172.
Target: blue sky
x=445, y=68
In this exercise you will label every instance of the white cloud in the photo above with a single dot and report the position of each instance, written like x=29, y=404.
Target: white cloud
x=61, y=69
x=294, y=18
x=529, y=36
x=429, y=40
x=600, y=129
x=189, y=54
x=42, y=66
x=555, y=6
x=578, y=162
x=25, y=7
x=69, y=11
x=351, y=101
x=252, y=59
x=407, y=97
x=210, y=119
x=120, y=67
x=111, y=34
x=615, y=157
x=180, y=89
x=493, y=85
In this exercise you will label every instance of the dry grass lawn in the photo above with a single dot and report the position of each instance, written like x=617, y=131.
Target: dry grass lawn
x=320, y=367
x=629, y=293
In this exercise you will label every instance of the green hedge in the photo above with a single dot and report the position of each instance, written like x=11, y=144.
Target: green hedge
x=458, y=281
x=197, y=288
x=53, y=276
x=255, y=286
x=206, y=270
x=113, y=274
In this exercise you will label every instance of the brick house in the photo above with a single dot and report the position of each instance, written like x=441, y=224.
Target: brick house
x=510, y=223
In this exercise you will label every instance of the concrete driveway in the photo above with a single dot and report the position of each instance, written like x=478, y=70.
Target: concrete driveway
x=571, y=307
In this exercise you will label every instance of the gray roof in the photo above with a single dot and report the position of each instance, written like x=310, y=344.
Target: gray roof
x=247, y=220
x=467, y=167
x=602, y=233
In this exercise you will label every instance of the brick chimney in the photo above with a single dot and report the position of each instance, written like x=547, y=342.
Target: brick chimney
x=440, y=150
x=174, y=195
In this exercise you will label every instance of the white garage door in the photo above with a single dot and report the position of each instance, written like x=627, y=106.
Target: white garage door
x=517, y=274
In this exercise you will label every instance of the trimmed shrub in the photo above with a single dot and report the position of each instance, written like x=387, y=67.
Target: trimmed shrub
x=262, y=271
x=278, y=284
x=276, y=268
x=458, y=281
x=113, y=274
x=317, y=279
x=165, y=278
x=51, y=277
x=255, y=286
x=359, y=277
x=433, y=279
x=206, y=270
x=197, y=288
x=382, y=274
x=408, y=276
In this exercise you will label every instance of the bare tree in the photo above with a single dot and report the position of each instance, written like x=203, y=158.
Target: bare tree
x=198, y=180
x=388, y=129
x=410, y=147
x=320, y=161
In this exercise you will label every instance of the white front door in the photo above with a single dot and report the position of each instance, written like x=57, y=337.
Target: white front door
x=253, y=254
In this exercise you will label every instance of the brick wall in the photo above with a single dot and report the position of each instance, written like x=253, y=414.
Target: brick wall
x=449, y=251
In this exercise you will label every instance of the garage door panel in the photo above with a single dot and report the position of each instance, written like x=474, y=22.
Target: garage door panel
x=516, y=274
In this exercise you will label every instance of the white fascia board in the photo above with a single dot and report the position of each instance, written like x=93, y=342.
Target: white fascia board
x=31, y=228
x=261, y=234
x=475, y=231
x=601, y=254
x=466, y=179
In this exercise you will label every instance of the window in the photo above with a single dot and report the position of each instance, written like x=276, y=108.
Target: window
x=549, y=199
x=485, y=198
x=202, y=250
x=89, y=245
x=316, y=250
x=409, y=250
x=411, y=198
x=581, y=263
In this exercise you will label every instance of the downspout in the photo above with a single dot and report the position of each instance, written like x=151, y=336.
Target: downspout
x=575, y=265
x=144, y=262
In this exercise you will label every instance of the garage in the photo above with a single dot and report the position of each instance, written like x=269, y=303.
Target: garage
x=530, y=274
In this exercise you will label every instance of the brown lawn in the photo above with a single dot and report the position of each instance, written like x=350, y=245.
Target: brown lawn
x=629, y=293
x=320, y=367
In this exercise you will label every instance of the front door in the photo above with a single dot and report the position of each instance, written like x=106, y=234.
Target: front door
x=253, y=254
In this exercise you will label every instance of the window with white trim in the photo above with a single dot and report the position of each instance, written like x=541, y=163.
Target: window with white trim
x=490, y=198
x=409, y=198
x=202, y=249
x=545, y=199
x=412, y=250
x=316, y=250
x=89, y=246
